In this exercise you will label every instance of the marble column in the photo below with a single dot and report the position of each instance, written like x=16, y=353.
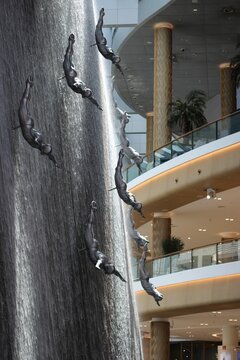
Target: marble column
x=146, y=348
x=160, y=344
x=229, y=343
x=161, y=230
x=227, y=90
x=162, y=82
x=230, y=335
x=149, y=135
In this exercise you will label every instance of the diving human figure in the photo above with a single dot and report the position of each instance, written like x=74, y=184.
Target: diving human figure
x=101, y=43
x=144, y=278
x=121, y=186
x=30, y=134
x=133, y=233
x=73, y=81
x=131, y=153
x=99, y=259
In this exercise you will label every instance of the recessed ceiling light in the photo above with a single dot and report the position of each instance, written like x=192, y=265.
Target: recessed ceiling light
x=195, y=10
x=233, y=320
x=189, y=238
x=219, y=198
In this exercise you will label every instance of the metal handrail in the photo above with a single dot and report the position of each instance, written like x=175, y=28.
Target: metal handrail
x=170, y=256
x=190, y=133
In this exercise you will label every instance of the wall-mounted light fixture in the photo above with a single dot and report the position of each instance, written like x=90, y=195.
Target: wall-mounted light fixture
x=211, y=193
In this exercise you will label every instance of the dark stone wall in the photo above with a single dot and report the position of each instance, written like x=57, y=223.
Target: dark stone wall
x=54, y=304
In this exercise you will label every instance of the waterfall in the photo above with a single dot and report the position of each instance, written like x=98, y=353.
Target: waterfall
x=54, y=304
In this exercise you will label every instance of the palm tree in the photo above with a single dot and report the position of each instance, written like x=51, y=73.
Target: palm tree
x=188, y=114
x=235, y=65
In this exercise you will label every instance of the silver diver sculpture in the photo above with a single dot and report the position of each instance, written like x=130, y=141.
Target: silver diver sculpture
x=130, y=153
x=121, y=186
x=99, y=259
x=144, y=278
x=101, y=43
x=132, y=231
x=73, y=81
x=30, y=134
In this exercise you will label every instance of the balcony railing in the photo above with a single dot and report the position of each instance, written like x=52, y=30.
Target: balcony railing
x=219, y=253
x=192, y=140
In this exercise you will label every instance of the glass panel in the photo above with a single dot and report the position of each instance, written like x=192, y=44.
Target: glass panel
x=181, y=261
x=161, y=266
x=224, y=127
x=132, y=173
x=178, y=148
x=162, y=155
x=204, y=135
x=149, y=268
x=228, y=252
x=235, y=123
x=204, y=256
x=147, y=163
x=186, y=142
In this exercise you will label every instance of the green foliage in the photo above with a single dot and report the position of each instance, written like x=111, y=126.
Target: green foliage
x=188, y=114
x=235, y=65
x=172, y=244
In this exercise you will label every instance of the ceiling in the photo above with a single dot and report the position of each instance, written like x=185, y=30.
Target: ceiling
x=205, y=34
x=205, y=214
x=203, y=326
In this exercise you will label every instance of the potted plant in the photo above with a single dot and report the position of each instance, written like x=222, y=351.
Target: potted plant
x=235, y=65
x=172, y=244
x=188, y=114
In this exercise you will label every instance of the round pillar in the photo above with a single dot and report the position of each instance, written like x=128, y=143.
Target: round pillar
x=149, y=135
x=229, y=343
x=160, y=344
x=227, y=90
x=230, y=335
x=146, y=348
x=162, y=82
x=161, y=230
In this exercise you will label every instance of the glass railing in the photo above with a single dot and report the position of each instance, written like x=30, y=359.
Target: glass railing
x=201, y=136
x=224, y=252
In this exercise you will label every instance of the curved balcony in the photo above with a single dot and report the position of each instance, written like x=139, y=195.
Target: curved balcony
x=213, y=254
x=206, y=134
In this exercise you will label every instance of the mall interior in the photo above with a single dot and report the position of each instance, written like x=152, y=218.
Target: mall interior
x=189, y=183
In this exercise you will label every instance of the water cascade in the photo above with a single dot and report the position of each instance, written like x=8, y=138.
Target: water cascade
x=53, y=303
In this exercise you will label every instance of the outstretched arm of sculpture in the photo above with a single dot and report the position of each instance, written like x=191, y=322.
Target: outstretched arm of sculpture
x=23, y=109
x=100, y=19
x=93, y=207
x=94, y=101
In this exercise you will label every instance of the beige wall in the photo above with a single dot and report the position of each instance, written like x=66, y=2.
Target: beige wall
x=190, y=297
